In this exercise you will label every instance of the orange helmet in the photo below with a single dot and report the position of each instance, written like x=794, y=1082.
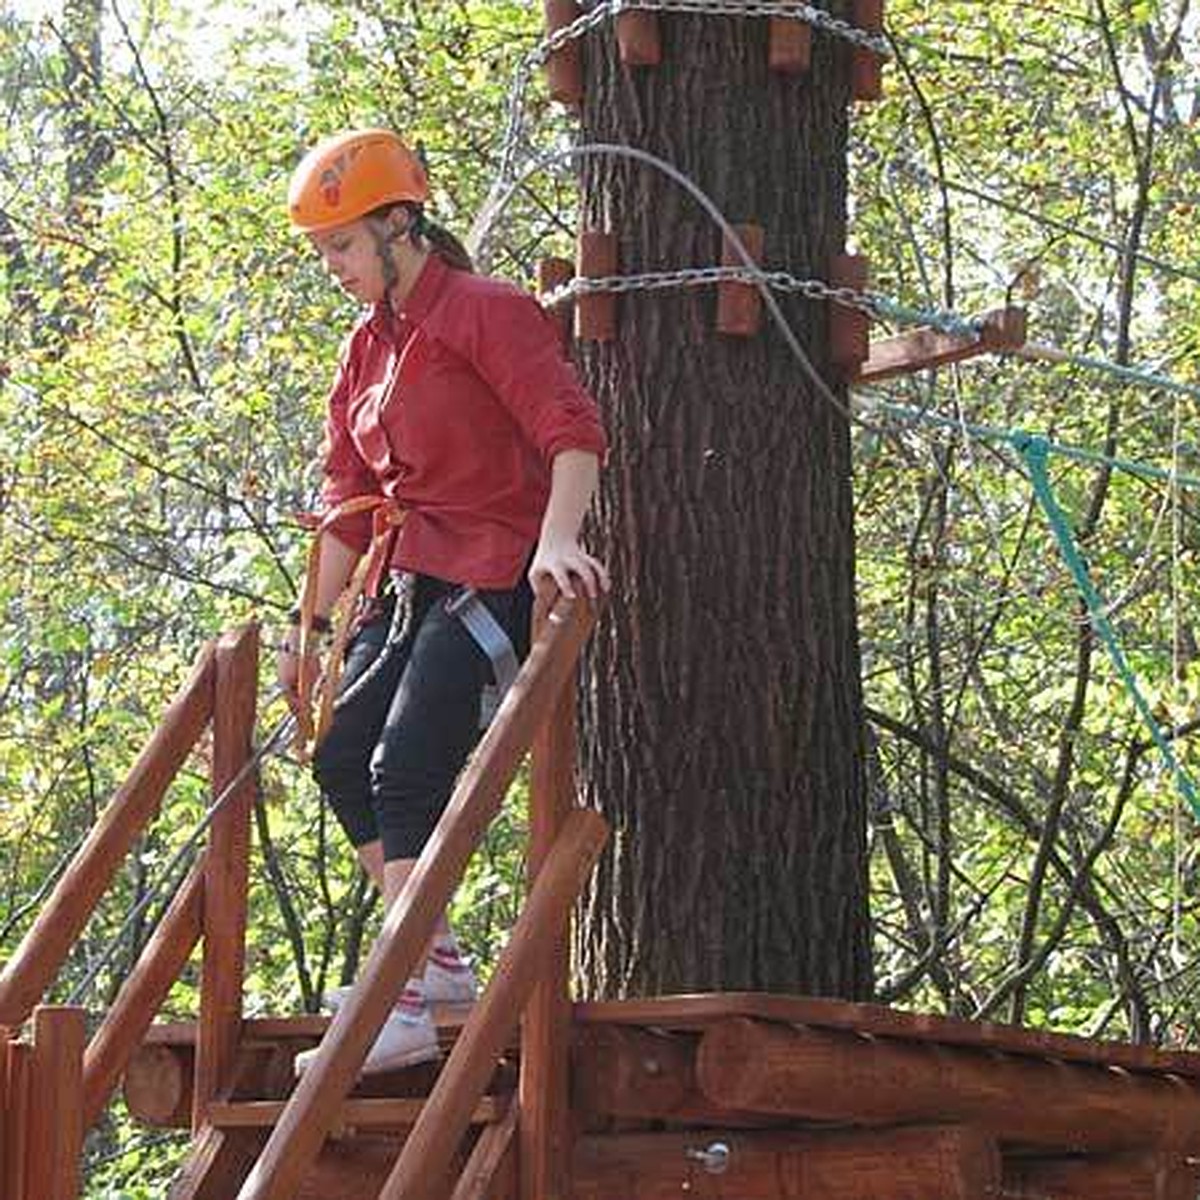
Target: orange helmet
x=347, y=175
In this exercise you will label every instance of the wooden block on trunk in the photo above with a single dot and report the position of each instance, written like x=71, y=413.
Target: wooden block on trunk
x=564, y=68
x=790, y=46
x=596, y=315
x=866, y=78
x=638, y=39
x=849, y=328
x=739, y=305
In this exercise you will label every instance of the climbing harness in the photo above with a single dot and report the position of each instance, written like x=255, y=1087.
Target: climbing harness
x=490, y=637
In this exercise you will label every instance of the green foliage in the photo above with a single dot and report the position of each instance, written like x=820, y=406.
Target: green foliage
x=165, y=345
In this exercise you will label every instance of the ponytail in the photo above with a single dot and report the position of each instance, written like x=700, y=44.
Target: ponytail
x=445, y=245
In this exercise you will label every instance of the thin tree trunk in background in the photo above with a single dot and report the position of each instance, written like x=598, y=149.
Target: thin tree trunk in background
x=722, y=709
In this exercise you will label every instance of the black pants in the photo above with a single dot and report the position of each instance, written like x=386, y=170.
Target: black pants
x=404, y=725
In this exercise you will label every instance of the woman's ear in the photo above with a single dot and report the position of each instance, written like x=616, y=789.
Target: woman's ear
x=399, y=223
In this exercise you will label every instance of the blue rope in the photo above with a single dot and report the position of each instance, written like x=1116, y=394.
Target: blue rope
x=1036, y=451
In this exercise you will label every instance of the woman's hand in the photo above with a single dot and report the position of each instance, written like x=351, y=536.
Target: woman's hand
x=287, y=668
x=564, y=565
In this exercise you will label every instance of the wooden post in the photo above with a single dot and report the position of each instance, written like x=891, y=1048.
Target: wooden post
x=226, y=868
x=866, y=78
x=564, y=68
x=739, y=305
x=596, y=315
x=937, y=1163
x=837, y=1076
x=7, y=1114
x=849, y=328
x=408, y=925
x=44, y=948
x=55, y=1131
x=639, y=39
x=790, y=47
x=545, y=1131
x=15, y=1128
x=539, y=930
x=554, y=273
x=1117, y=1177
x=141, y=996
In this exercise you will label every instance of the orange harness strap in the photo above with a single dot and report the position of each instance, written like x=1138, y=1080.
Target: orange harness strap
x=387, y=517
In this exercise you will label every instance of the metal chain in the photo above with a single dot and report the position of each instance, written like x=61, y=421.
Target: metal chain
x=780, y=281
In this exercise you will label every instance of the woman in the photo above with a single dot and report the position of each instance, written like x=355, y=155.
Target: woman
x=454, y=409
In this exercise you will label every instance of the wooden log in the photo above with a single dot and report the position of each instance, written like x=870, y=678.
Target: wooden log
x=15, y=1128
x=789, y=46
x=866, y=73
x=849, y=328
x=938, y=1163
x=544, y=1101
x=836, y=1076
x=739, y=305
x=596, y=315
x=632, y=1074
x=227, y=868
x=698, y=1011
x=490, y=1159
x=6, y=1113
x=564, y=68
x=553, y=273
x=55, y=1130
x=44, y=948
x=409, y=924
x=639, y=39
x=158, y=1085
x=1116, y=1177
x=921, y=349
x=529, y=951
x=141, y=996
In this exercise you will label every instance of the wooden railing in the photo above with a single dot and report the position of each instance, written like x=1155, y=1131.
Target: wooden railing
x=54, y=1087
x=567, y=844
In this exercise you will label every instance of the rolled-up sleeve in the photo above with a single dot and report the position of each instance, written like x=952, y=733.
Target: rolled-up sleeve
x=515, y=348
x=345, y=474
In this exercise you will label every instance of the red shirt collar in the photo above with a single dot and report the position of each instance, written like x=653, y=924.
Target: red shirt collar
x=420, y=300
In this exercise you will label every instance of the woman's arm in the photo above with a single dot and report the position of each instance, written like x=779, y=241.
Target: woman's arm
x=559, y=556
x=334, y=569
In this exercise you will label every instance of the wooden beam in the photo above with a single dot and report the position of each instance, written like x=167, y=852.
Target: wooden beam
x=15, y=1122
x=226, y=868
x=217, y=1164
x=835, y=1076
x=564, y=68
x=55, y=1131
x=925, y=348
x=141, y=996
x=543, y=1090
x=1117, y=1177
x=357, y=1113
x=935, y=1163
x=409, y=923
x=529, y=951
x=697, y=1012
x=44, y=948
x=490, y=1160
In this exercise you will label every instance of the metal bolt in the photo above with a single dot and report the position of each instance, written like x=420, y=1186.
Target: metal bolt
x=714, y=1159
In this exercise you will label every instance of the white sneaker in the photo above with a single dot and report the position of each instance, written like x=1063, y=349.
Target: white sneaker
x=450, y=985
x=404, y=1040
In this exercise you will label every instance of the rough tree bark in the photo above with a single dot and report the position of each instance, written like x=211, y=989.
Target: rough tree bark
x=722, y=711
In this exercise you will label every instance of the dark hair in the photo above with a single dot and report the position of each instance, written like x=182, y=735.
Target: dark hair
x=441, y=241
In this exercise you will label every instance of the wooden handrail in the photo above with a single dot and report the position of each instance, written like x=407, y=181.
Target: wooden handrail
x=296, y=1141
x=141, y=995
x=45, y=947
x=541, y=927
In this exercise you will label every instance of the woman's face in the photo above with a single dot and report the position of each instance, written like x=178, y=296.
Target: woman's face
x=353, y=255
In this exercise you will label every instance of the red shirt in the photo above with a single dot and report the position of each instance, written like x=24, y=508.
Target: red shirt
x=455, y=408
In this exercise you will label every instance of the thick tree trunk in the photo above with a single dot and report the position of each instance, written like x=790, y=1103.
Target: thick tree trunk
x=722, y=710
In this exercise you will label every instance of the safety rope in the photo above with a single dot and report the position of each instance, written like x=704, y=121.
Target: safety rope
x=1035, y=452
